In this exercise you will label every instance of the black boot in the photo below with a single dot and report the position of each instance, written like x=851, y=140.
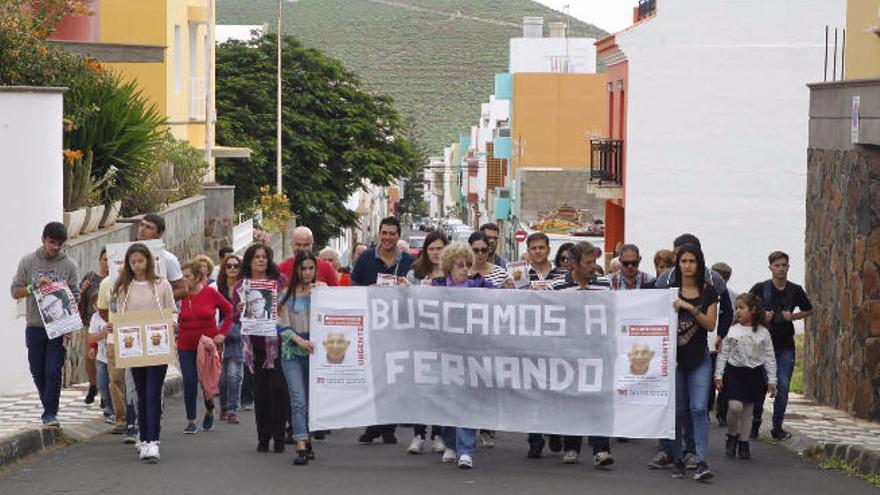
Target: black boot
x=756, y=428
x=730, y=445
x=302, y=457
x=745, y=451
x=278, y=444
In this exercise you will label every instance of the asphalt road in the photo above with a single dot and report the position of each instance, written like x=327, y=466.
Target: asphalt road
x=225, y=461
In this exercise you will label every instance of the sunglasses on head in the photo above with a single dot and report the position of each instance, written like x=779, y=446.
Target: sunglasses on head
x=630, y=263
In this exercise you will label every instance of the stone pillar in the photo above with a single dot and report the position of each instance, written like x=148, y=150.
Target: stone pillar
x=219, y=212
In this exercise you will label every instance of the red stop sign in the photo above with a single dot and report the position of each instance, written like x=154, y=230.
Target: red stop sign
x=520, y=236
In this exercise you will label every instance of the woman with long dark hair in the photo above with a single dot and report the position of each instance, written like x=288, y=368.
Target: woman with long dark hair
x=261, y=354
x=427, y=266
x=498, y=276
x=139, y=288
x=697, y=306
x=233, y=374
x=293, y=328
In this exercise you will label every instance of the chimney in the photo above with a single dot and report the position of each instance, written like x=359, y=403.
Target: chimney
x=533, y=27
x=557, y=29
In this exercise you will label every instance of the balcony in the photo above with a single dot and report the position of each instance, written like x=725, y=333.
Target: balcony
x=606, y=168
x=646, y=8
x=197, y=92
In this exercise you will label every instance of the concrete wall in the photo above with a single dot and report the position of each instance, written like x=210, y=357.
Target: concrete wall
x=717, y=128
x=842, y=339
x=31, y=195
x=542, y=190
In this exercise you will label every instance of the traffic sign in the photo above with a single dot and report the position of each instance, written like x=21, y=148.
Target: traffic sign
x=520, y=236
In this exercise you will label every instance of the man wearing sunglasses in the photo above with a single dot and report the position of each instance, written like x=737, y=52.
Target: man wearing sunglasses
x=630, y=277
x=492, y=233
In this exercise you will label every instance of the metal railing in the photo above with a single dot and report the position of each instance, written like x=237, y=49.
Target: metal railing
x=647, y=8
x=606, y=161
x=197, y=91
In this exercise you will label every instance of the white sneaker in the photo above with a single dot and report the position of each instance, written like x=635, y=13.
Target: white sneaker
x=151, y=452
x=570, y=457
x=416, y=446
x=603, y=459
x=486, y=441
x=448, y=455
x=465, y=462
x=438, y=445
x=143, y=450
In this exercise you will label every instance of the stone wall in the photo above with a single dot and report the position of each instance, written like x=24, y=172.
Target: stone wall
x=842, y=339
x=219, y=210
x=542, y=190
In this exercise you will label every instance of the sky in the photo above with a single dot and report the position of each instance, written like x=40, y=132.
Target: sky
x=610, y=15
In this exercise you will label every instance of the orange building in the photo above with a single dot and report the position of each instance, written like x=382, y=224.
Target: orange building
x=553, y=117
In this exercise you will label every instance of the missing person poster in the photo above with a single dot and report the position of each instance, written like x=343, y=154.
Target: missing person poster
x=144, y=338
x=57, y=309
x=339, y=359
x=260, y=311
x=643, y=365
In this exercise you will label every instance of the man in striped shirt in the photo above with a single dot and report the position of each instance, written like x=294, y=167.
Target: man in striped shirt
x=630, y=277
x=541, y=270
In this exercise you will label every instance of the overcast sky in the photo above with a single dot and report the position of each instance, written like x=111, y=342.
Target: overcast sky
x=610, y=15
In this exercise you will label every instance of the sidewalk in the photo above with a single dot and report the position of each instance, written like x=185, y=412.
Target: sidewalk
x=22, y=432
x=833, y=432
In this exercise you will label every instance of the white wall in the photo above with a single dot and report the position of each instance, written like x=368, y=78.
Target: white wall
x=31, y=191
x=717, y=127
x=548, y=55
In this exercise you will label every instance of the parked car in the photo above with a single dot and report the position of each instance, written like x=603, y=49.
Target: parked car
x=416, y=244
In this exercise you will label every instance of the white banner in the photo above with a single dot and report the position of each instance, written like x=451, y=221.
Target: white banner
x=569, y=362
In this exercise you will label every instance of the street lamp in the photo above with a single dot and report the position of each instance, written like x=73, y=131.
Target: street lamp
x=278, y=123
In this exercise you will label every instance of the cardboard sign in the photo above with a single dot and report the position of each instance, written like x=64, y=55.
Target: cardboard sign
x=144, y=338
x=519, y=272
x=116, y=256
x=58, y=310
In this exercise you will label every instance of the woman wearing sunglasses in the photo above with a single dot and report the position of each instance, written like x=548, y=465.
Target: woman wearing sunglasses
x=493, y=273
x=563, y=260
x=233, y=355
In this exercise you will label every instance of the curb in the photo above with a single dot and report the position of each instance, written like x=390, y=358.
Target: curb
x=34, y=440
x=866, y=460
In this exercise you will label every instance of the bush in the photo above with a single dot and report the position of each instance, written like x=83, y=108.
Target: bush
x=189, y=166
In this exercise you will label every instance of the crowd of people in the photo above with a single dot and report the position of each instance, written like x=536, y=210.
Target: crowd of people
x=752, y=351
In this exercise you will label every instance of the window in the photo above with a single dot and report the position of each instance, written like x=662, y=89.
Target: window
x=178, y=56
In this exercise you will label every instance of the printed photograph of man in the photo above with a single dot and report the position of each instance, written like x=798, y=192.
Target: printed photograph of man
x=53, y=306
x=336, y=345
x=640, y=357
x=258, y=304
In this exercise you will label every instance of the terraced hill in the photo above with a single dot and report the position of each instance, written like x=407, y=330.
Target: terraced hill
x=437, y=58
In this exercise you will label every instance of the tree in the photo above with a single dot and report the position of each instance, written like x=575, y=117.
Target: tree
x=335, y=132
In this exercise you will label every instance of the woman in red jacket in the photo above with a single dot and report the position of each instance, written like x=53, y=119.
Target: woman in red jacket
x=197, y=318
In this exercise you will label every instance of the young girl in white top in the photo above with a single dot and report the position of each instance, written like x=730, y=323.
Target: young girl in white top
x=747, y=355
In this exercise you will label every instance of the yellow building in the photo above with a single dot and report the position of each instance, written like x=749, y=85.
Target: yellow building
x=553, y=117
x=176, y=85
x=862, y=39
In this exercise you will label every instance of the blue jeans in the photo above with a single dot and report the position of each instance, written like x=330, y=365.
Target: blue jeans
x=296, y=372
x=102, y=379
x=190, y=381
x=784, y=369
x=462, y=440
x=148, y=381
x=691, y=395
x=230, y=384
x=46, y=360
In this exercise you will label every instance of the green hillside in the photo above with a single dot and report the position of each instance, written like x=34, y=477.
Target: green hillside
x=437, y=58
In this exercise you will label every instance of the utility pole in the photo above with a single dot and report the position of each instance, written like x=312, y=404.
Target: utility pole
x=278, y=123
x=210, y=120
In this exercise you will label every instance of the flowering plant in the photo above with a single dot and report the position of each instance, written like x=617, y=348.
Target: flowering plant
x=275, y=209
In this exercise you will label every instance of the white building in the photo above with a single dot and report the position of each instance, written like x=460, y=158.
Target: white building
x=556, y=53
x=717, y=127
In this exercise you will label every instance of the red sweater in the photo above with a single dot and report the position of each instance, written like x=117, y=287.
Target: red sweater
x=197, y=318
x=325, y=274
